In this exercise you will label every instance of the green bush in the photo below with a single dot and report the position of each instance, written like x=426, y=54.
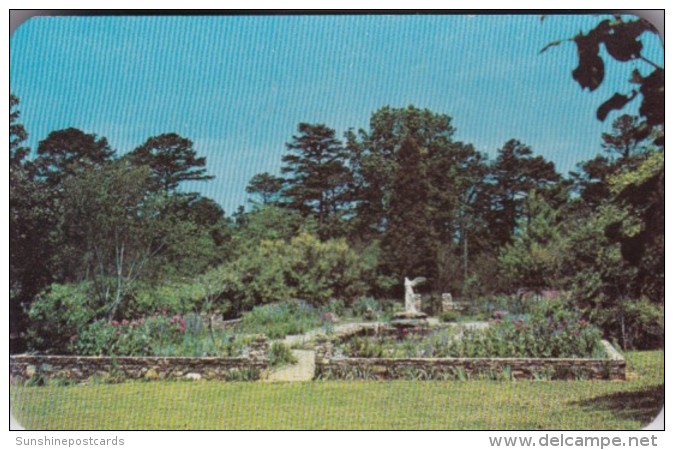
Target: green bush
x=278, y=320
x=636, y=324
x=306, y=268
x=58, y=314
x=205, y=292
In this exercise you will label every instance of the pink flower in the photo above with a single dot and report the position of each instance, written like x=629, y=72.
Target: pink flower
x=125, y=322
x=182, y=325
x=114, y=323
x=405, y=331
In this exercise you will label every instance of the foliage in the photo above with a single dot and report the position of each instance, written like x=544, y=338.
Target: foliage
x=636, y=324
x=158, y=335
x=171, y=159
x=621, y=38
x=58, y=314
x=531, y=259
x=111, y=229
x=278, y=320
x=302, y=268
x=334, y=306
x=17, y=133
x=317, y=177
x=640, y=194
x=270, y=223
x=558, y=335
x=407, y=246
x=363, y=347
x=515, y=173
x=204, y=293
x=266, y=186
x=66, y=153
x=280, y=355
x=32, y=221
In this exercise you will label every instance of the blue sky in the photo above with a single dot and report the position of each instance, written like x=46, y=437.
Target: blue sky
x=238, y=86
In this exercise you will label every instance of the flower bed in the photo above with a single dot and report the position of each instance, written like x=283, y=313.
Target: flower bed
x=539, y=347
x=158, y=335
x=38, y=369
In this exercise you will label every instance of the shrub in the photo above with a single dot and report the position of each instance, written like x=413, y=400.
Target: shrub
x=205, y=292
x=307, y=268
x=58, y=314
x=635, y=324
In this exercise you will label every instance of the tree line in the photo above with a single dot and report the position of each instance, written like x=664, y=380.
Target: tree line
x=404, y=197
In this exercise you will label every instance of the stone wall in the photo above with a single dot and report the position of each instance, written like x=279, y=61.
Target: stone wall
x=82, y=368
x=327, y=367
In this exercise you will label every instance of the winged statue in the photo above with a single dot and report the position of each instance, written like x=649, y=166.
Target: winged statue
x=409, y=293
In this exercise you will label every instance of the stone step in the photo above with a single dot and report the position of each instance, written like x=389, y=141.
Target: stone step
x=303, y=370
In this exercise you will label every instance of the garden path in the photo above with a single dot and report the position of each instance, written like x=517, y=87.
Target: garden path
x=303, y=370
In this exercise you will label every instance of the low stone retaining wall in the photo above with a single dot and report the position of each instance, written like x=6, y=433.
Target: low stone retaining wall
x=82, y=368
x=328, y=367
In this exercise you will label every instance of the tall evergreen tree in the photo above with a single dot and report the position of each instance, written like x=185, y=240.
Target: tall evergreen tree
x=65, y=153
x=374, y=158
x=513, y=174
x=17, y=133
x=266, y=186
x=626, y=138
x=408, y=248
x=171, y=159
x=317, y=177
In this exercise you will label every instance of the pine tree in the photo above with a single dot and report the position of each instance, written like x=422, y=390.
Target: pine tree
x=318, y=178
x=172, y=160
x=408, y=243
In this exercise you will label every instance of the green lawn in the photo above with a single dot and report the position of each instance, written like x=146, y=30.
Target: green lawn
x=351, y=405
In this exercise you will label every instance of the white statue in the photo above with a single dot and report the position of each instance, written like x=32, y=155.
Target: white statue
x=410, y=305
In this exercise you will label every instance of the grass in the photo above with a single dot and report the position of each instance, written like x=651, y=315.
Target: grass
x=521, y=405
